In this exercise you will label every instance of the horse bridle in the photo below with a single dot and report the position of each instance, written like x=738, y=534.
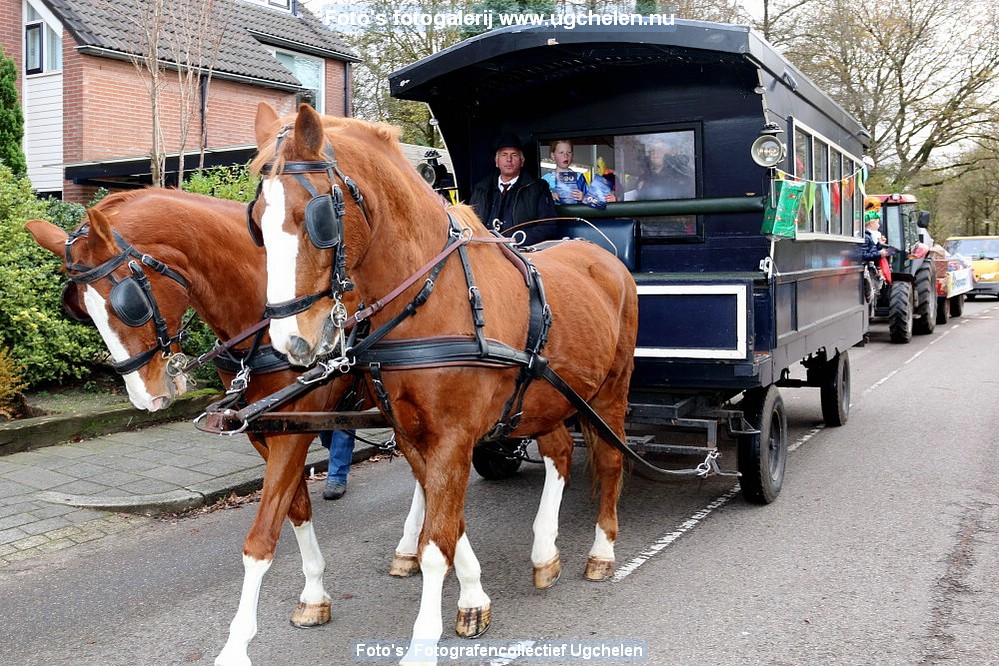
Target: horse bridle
x=323, y=223
x=131, y=298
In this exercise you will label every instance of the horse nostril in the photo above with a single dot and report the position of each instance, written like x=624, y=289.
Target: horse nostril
x=160, y=402
x=298, y=347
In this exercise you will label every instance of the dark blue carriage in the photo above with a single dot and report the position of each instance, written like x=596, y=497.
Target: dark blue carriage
x=699, y=128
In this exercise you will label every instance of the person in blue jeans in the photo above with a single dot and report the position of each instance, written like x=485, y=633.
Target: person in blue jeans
x=341, y=446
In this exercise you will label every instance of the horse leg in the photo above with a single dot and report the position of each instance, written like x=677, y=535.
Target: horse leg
x=314, y=605
x=556, y=451
x=405, y=562
x=282, y=480
x=607, y=465
x=443, y=542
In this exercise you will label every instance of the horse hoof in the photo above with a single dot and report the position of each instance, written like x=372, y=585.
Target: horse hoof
x=473, y=622
x=311, y=615
x=545, y=575
x=404, y=566
x=599, y=569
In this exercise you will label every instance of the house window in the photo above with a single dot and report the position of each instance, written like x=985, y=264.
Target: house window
x=310, y=72
x=42, y=45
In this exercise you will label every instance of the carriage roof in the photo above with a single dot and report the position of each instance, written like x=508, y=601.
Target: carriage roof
x=513, y=62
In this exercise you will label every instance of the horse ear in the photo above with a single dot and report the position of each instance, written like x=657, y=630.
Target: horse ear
x=101, y=237
x=309, y=136
x=49, y=236
x=263, y=126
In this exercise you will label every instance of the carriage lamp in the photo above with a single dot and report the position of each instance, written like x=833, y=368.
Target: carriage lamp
x=768, y=150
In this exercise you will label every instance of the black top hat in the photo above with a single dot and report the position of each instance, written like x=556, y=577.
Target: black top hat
x=508, y=140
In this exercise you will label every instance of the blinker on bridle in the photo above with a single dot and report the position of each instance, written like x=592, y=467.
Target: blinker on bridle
x=323, y=224
x=131, y=298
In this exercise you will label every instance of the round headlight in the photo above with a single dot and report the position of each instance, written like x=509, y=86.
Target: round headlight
x=768, y=151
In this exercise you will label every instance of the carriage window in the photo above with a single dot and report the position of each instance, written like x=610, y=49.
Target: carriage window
x=634, y=167
x=821, y=206
x=803, y=169
x=837, y=219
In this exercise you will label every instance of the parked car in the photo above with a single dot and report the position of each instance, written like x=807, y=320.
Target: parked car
x=984, y=254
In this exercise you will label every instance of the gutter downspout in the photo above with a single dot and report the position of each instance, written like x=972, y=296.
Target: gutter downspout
x=346, y=89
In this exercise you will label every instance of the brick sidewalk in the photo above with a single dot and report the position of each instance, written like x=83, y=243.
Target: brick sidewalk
x=58, y=496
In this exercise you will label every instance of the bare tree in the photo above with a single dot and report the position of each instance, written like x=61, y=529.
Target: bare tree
x=919, y=74
x=144, y=25
x=197, y=30
x=184, y=36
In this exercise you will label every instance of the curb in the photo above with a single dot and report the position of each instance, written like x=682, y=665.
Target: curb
x=241, y=483
x=34, y=433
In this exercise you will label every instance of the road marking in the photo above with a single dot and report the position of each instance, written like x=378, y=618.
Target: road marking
x=699, y=516
x=693, y=521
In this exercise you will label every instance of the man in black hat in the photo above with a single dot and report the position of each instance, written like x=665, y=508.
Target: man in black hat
x=509, y=196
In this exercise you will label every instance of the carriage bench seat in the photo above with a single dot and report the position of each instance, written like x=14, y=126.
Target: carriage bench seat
x=617, y=235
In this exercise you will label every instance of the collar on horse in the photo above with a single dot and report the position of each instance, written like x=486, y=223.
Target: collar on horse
x=131, y=298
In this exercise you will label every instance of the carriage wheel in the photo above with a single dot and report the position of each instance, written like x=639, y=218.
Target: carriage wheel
x=763, y=456
x=835, y=390
x=492, y=461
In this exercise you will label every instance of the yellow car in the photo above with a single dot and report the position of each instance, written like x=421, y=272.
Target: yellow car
x=984, y=254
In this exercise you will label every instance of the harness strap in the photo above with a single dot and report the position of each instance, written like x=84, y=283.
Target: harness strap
x=607, y=433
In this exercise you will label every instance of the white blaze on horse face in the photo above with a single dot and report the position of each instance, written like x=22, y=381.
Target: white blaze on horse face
x=282, y=261
x=544, y=549
x=98, y=310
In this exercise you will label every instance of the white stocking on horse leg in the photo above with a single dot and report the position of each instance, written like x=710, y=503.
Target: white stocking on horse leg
x=474, y=610
x=544, y=552
x=314, y=604
x=405, y=563
x=600, y=564
x=243, y=627
x=428, y=626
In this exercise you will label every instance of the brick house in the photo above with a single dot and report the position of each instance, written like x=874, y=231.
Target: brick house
x=87, y=109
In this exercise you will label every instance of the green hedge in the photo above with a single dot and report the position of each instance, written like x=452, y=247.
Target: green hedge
x=47, y=346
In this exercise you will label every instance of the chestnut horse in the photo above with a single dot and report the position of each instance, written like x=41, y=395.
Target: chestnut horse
x=203, y=242
x=386, y=237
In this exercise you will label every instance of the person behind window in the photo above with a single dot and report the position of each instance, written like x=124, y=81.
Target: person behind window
x=509, y=197
x=570, y=187
x=566, y=185
x=670, y=174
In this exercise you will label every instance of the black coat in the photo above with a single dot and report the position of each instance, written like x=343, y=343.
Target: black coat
x=871, y=250
x=528, y=199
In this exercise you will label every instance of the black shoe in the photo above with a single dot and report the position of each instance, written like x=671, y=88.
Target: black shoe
x=334, y=490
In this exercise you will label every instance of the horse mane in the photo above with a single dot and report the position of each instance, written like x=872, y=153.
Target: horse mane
x=383, y=132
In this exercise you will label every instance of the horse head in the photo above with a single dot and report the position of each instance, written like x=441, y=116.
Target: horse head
x=134, y=300
x=326, y=183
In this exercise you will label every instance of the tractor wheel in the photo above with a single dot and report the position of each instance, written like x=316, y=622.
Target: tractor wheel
x=900, y=312
x=957, y=306
x=943, y=309
x=492, y=461
x=835, y=390
x=926, y=301
x=763, y=456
